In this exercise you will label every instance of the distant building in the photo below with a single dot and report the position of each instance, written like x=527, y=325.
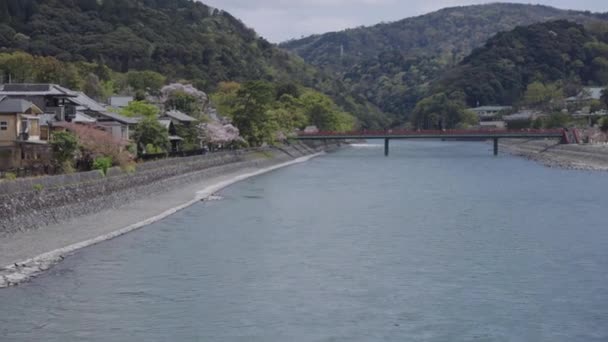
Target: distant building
x=20, y=143
x=178, y=117
x=311, y=129
x=587, y=94
x=489, y=112
x=120, y=101
x=50, y=98
x=523, y=115
x=492, y=124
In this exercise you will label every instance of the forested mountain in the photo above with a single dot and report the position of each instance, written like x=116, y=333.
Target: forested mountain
x=182, y=39
x=391, y=64
x=559, y=52
x=535, y=66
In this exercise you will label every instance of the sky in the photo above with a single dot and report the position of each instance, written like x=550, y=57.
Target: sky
x=280, y=20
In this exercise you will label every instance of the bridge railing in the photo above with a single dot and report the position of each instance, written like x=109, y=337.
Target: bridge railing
x=400, y=132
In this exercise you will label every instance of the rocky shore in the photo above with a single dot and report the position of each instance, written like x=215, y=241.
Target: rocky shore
x=551, y=153
x=24, y=253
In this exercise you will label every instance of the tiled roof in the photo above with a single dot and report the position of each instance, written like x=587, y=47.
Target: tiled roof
x=8, y=105
x=24, y=89
x=117, y=117
x=83, y=100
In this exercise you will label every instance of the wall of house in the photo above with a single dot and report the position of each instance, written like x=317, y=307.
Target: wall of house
x=27, y=204
x=7, y=138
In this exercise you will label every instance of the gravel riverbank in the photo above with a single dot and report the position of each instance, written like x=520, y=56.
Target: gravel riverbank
x=553, y=154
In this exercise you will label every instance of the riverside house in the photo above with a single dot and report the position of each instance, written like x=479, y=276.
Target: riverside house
x=62, y=105
x=20, y=143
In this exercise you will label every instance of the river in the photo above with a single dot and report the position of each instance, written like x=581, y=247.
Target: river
x=441, y=241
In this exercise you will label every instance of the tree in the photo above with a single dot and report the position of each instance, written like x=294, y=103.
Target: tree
x=252, y=116
x=150, y=132
x=439, y=112
x=540, y=95
x=225, y=98
x=323, y=113
x=604, y=124
x=140, y=108
x=96, y=143
x=64, y=146
x=185, y=98
x=604, y=97
x=147, y=80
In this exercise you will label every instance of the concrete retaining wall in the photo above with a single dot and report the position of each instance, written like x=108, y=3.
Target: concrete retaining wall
x=32, y=203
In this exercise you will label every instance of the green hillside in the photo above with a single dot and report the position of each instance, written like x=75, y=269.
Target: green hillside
x=558, y=51
x=182, y=39
x=391, y=64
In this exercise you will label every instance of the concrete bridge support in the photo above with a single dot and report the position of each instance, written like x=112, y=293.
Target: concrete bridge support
x=386, y=147
x=495, y=146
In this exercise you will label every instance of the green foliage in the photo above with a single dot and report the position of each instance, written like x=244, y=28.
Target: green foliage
x=324, y=114
x=148, y=81
x=557, y=120
x=529, y=64
x=538, y=94
x=102, y=164
x=38, y=187
x=64, y=146
x=604, y=97
x=252, y=116
x=190, y=135
x=225, y=98
x=23, y=67
x=148, y=42
x=595, y=106
x=140, y=109
x=260, y=115
x=185, y=103
x=10, y=176
x=150, y=133
x=392, y=64
x=604, y=124
x=440, y=112
x=130, y=168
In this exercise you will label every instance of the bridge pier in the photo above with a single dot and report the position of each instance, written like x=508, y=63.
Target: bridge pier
x=495, y=146
x=386, y=147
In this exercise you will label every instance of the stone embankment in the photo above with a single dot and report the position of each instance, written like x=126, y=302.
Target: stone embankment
x=44, y=219
x=553, y=154
x=27, y=204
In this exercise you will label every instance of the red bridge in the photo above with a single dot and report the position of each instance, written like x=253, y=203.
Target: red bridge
x=459, y=134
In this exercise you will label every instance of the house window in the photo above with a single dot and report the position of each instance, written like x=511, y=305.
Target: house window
x=3, y=125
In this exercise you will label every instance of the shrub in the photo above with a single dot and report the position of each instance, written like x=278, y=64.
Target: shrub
x=604, y=124
x=38, y=187
x=64, y=146
x=96, y=143
x=10, y=176
x=102, y=164
x=130, y=168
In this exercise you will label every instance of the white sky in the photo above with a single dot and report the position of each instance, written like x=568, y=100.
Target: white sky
x=279, y=20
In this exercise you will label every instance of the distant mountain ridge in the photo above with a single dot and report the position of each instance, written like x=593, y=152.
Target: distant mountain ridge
x=560, y=52
x=456, y=30
x=393, y=64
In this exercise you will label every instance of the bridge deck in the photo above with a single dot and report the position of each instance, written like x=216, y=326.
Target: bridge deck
x=444, y=134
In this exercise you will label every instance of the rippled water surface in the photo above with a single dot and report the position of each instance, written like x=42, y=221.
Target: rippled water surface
x=438, y=242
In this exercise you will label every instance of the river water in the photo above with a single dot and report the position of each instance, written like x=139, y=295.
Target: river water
x=439, y=242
